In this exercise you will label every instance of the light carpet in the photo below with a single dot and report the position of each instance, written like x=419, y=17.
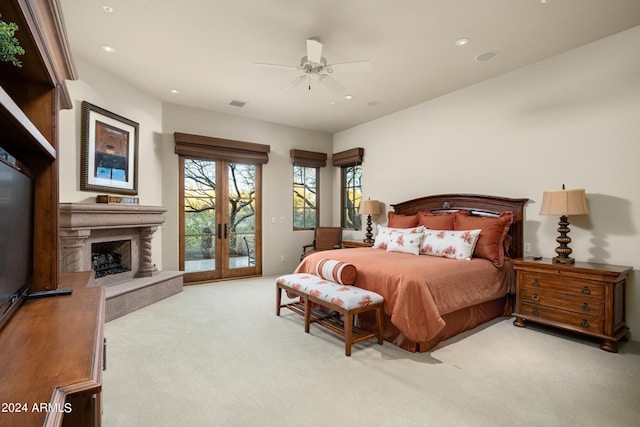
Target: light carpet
x=217, y=355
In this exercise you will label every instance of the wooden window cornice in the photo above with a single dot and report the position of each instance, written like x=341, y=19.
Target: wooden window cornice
x=221, y=149
x=348, y=157
x=308, y=158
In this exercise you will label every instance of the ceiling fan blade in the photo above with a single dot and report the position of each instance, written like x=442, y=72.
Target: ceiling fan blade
x=294, y=83
x=350, y=67
x=332, y=84
x=314, y=51
x=285, y=67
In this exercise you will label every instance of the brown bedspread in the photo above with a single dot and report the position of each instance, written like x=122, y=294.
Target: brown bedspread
x=418, y=290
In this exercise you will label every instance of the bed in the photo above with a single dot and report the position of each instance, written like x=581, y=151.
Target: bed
x=430, y=298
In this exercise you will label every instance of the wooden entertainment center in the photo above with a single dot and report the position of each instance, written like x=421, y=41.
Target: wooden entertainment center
x=52, y=348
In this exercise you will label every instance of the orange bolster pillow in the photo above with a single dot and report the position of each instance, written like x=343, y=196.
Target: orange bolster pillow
x=340, y=272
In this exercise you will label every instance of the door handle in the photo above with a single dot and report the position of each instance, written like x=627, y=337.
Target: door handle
x=225, y=231
x=219, y=231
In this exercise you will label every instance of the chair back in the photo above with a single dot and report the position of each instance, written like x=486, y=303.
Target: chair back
x=327, y=238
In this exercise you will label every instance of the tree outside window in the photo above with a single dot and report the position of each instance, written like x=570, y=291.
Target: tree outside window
x=305, y=197
x=351, y=196
x=200, y=204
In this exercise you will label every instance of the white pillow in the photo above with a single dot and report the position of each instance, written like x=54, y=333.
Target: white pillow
x=405, y=242
x=455, y=244
x=383, y=234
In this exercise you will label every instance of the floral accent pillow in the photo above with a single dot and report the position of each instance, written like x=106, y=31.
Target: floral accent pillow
x=449, y=243
x=408, y=243
x=383, y=234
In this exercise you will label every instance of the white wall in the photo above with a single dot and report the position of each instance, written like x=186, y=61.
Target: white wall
x=572, y=119
x=158, y=165
x=278, y=239
x=103, y=90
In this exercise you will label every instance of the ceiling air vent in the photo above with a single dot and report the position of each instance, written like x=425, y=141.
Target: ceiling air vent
x=238, y=104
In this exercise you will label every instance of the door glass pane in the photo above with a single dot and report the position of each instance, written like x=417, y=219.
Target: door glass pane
x=199, y=215
x=242, y=215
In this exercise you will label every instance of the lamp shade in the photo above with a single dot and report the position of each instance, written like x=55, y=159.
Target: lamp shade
x=369, y=207
x=564, y=202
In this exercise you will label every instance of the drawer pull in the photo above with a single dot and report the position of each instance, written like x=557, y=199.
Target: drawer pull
x=535, y=297
x=585, y=290
x=535, y=312
x=586, y=307
x=584, y=323
x=535, y=282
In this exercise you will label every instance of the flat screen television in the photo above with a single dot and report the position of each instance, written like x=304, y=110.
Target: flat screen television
x=16, y=235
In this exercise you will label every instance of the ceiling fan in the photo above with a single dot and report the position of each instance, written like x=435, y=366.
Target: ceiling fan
x=315, y=66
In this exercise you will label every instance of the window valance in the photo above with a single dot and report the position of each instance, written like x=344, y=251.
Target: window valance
x=308, y=158
x=348, y=157
x=221, y=149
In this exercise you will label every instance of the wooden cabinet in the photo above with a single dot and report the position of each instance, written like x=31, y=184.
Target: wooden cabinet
x=587, y=298
x=51, y=349
x=30, y=99
x=51, y=358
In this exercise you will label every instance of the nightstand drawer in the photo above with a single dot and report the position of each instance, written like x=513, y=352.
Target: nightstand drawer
x=581, y=304
x=562, y=284
x=585, y=323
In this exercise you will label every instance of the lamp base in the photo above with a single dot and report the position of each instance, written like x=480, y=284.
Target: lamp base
x=563, y=239
x=369, y=235
x=562, y=260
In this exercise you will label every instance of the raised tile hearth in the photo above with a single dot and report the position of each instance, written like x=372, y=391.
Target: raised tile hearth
x=124, y=232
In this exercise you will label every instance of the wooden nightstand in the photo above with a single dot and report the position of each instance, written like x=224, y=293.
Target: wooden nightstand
x=355, y=244
x=587, y=298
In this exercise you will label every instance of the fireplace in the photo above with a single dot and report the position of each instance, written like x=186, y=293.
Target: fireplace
x=122, y=231
x=115, y=241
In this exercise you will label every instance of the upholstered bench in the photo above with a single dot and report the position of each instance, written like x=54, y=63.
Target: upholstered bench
x=344, y=299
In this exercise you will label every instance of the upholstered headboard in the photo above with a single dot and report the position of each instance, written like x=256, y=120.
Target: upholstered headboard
x=476, y=204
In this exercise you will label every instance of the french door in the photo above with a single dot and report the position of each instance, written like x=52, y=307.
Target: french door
x=220, y=219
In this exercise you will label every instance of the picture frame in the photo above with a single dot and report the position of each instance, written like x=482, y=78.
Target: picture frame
x=109, y=154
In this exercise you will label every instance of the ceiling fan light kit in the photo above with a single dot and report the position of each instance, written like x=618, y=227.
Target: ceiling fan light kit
x=315, y=66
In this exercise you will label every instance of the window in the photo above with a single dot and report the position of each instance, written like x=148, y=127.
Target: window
x=306, y=187
x=351, y=196
x=305, y=197
x=350, y=162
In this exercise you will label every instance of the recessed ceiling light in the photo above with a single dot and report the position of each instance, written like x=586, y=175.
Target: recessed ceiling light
x=175, y=91
x=108, y=48
x=108, y=9
x=371, y=103
x=461, y=42
x=347, y=97
x=545, y=1
x=486, y=56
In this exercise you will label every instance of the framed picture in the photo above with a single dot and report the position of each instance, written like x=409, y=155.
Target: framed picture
x=109, y=152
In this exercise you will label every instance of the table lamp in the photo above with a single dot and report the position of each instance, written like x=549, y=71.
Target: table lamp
x=369, y=207
x=564, y=203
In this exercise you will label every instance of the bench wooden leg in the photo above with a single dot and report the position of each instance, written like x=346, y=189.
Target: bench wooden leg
x=348, y=333
x=307, y=314
x=278, y=299
x=380, y=322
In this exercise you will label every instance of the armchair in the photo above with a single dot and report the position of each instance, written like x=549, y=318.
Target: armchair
x=325, y=238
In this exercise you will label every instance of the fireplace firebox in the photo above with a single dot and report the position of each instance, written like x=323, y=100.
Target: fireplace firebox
x=110, y=258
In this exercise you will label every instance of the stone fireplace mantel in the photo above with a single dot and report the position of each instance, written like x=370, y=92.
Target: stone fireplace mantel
x=82, y=224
